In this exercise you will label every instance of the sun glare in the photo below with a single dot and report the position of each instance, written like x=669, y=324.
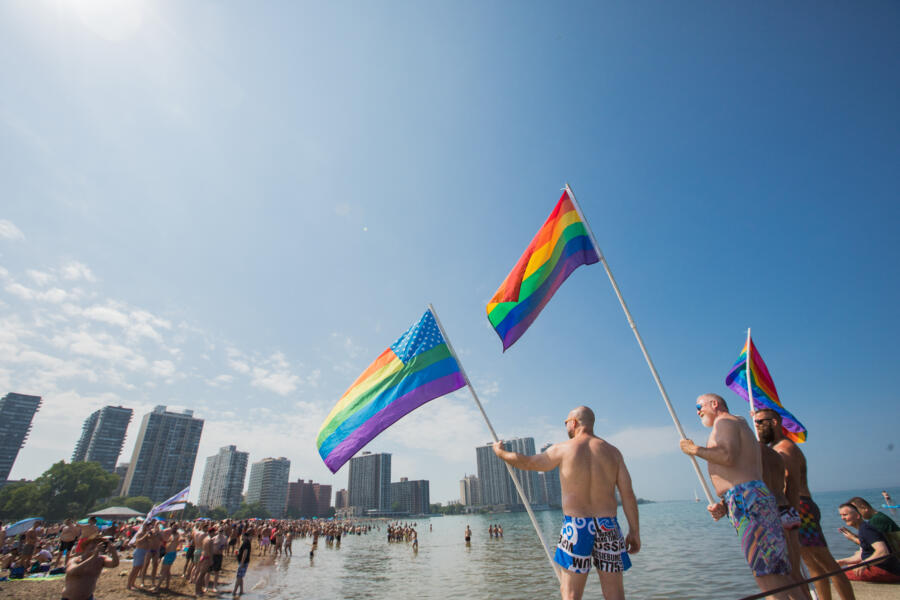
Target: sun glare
x=112, y=20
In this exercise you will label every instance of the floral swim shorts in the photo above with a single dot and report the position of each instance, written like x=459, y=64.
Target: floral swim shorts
x=752, y=511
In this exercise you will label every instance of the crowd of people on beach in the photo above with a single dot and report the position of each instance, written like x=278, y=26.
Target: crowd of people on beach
x=80, y=552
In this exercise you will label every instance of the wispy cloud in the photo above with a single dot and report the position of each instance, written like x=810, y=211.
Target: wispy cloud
x=8, y=231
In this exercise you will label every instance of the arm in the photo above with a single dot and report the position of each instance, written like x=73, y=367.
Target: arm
x=629, y=506
x=545, y=461
x=850, y=560
x=111, y=561
x=724, y=447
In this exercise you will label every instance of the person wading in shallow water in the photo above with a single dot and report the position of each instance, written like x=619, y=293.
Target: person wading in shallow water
x=590, y=470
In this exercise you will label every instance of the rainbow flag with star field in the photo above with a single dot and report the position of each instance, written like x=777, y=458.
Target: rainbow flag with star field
x=418, y=367
x=750, y=364
x=561, y=245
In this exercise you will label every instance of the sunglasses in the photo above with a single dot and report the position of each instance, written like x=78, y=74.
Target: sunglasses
x=699, y=407
x=761, y=421
x=566, y=422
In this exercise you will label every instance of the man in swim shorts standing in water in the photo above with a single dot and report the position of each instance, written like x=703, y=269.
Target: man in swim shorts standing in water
x=813, y=547
x=735, y=468
x=590, y=470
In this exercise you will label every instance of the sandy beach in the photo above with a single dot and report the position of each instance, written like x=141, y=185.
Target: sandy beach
x=112, y=583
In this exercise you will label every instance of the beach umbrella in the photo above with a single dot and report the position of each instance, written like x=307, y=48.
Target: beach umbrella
x=100, y=522
x=21, y=526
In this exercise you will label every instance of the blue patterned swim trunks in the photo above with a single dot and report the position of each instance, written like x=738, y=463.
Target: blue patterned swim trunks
x=586, y=540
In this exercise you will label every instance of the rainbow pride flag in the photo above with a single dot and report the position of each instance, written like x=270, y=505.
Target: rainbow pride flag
x=764, y=393
x=561, y=245
x=418, y=367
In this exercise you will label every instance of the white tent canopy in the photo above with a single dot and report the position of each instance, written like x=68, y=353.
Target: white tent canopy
x=116, y=512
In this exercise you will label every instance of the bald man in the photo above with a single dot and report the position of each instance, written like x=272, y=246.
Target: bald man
x=590, y=470
x=736, y=471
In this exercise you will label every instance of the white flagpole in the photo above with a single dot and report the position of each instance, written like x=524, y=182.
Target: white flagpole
x=496, y=439
x=662, y=390
x=750, y=390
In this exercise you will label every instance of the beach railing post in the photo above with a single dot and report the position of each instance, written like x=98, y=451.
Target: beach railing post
x=509, y=469
x=662, y=390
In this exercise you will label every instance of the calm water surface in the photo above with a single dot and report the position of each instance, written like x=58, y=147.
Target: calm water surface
x=685, y=555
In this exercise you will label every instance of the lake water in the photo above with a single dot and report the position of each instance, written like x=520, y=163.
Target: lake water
x=684, y=555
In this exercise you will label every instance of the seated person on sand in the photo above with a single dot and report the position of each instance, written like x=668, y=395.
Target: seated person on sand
x=876, y=519
x=872, y=544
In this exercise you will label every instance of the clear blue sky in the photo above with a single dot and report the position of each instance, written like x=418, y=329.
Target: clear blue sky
x=236, y=208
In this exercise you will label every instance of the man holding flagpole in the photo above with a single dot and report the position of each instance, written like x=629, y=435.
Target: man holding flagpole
x=590, y=470
x=735, y=468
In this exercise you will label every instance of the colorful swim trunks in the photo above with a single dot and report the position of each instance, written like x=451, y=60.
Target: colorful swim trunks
x=583, y=540
x=752, y=511
x=810, y=531
x=790, y=518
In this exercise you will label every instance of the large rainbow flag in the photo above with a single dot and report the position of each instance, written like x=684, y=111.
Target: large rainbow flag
x=561, y=245
x=764, y=393
x=418, y=367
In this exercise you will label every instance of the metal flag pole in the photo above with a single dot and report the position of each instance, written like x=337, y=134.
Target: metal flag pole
x=496, y=439
x=662, y=390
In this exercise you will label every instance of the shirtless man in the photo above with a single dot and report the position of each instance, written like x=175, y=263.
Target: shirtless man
x=288, y=540
x=31, y=540
x=199, y=536
x=141, y=548
x=219, y=542
x=83, y=571
x=773, y=477
x=203, y=565
x=735, y=469
x=88, y=530
x=590, y=470
x=153, y=554
x=813, y=548
x=67, y=537
x=171, y=539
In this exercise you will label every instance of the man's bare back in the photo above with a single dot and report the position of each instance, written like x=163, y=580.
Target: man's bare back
x=588, y=471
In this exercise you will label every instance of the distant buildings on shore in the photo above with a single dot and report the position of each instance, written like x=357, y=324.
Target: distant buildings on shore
x=223, y=479
x=102, y=436
x=371, y=493
x=493, y=488
x=16, y=413
x=268, y=485
x=162, y=463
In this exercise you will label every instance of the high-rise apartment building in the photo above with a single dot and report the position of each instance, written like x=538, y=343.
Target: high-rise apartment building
x=16, y=413
x=549, y=488
x=269, y=485
x=470, y=491
x=223, y=479
x=369, y=482
x=411, y=497
x=102, y=436
x=496, y=485
x=164, y=454
x=121, y=471
x=309, y=499
x=342, y=499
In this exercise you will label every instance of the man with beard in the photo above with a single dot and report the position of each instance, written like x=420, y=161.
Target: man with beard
x=735, y=469
x=813, y=547
x=590, y=470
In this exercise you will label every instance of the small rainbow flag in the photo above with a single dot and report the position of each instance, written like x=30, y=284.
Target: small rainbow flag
x=561, y=245
x=764, y=393
x=418, y=367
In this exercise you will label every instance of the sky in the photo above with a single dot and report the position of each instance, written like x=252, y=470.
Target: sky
x=236, y=207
